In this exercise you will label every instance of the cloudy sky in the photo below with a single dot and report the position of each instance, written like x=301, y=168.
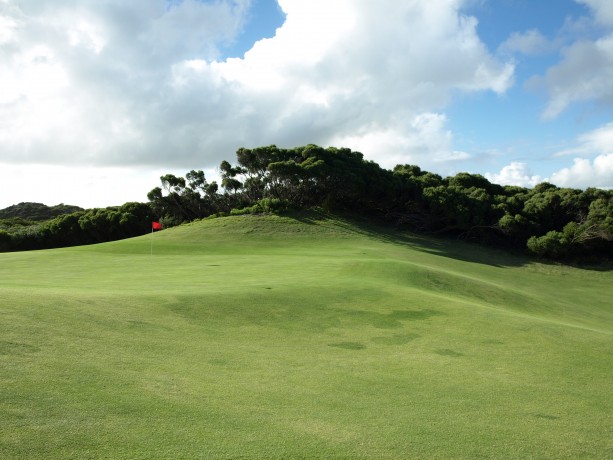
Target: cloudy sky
x=98, y=98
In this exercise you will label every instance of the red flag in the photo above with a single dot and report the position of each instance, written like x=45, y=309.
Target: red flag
x=156, y=226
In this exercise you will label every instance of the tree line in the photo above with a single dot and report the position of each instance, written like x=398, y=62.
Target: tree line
x=548, y=221
x=90, y=226
x=36, y=211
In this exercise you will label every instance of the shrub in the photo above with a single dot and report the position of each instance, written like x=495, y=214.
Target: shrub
x=553, y=245
x=5, y=240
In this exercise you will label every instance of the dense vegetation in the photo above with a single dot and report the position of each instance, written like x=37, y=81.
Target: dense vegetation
x=557, y=223
x=36, y=211
x=76, y=228
x=552, y=222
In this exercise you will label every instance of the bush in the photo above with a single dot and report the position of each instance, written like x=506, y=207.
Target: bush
x=263, y=206
x=170, y=221
x=273, y=205
x=5, y=240
x=553, y=245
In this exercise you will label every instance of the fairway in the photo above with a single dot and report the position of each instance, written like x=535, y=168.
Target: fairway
x=301, y=337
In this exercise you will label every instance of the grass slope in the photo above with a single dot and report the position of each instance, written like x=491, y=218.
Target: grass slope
x=307, y=337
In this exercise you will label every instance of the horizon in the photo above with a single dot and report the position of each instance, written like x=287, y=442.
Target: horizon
x=100, y=100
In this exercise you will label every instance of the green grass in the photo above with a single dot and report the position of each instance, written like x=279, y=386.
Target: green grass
x=308, y=337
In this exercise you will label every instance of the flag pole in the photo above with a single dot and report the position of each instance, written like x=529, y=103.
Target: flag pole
x=154, y=226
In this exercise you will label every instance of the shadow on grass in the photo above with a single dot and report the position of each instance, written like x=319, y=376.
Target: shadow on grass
x=444, y=246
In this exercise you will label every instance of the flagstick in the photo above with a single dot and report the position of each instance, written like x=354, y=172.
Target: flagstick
x=154, y=226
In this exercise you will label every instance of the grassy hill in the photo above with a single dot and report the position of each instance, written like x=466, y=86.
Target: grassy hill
x=36, y=211
x=301, y=337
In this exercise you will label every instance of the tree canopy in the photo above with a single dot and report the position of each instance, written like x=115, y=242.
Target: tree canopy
x=36, y=211
x=82, y=227
x=547, y=221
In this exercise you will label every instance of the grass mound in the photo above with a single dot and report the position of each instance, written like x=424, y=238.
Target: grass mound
x=301, y=337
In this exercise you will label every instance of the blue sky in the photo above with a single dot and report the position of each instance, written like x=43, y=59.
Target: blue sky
x=513, y=124
x=99, y=98
x=262, y=21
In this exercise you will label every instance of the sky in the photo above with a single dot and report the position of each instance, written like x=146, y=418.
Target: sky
x=99, y=98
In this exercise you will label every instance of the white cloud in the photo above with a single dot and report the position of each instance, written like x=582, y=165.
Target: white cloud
x=515, y=173
x=98, y=186
x=84, y=186
x=598, y=141
x=87, y=83
x=585, y=70
x=586, y=173
x=423, y=140
x=142, y=82
x=7, y=29
x=603, y=10
x=531, y=43
x=585, y=73
x=595, y=167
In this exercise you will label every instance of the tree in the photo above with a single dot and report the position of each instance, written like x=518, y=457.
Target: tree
x=557, y=222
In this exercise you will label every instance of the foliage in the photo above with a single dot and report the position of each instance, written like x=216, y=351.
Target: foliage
x=184, y=199
x=37, y=211
x=548, y=221
x=263, y=206
x=5, y=240
x=82, y=227
x=558, y=223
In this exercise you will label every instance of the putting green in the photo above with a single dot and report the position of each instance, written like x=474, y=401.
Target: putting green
x=301, y=337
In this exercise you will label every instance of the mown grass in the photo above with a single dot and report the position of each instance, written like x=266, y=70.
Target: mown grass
x=304, y=337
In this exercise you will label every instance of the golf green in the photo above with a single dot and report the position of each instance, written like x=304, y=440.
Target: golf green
x=310, y=336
